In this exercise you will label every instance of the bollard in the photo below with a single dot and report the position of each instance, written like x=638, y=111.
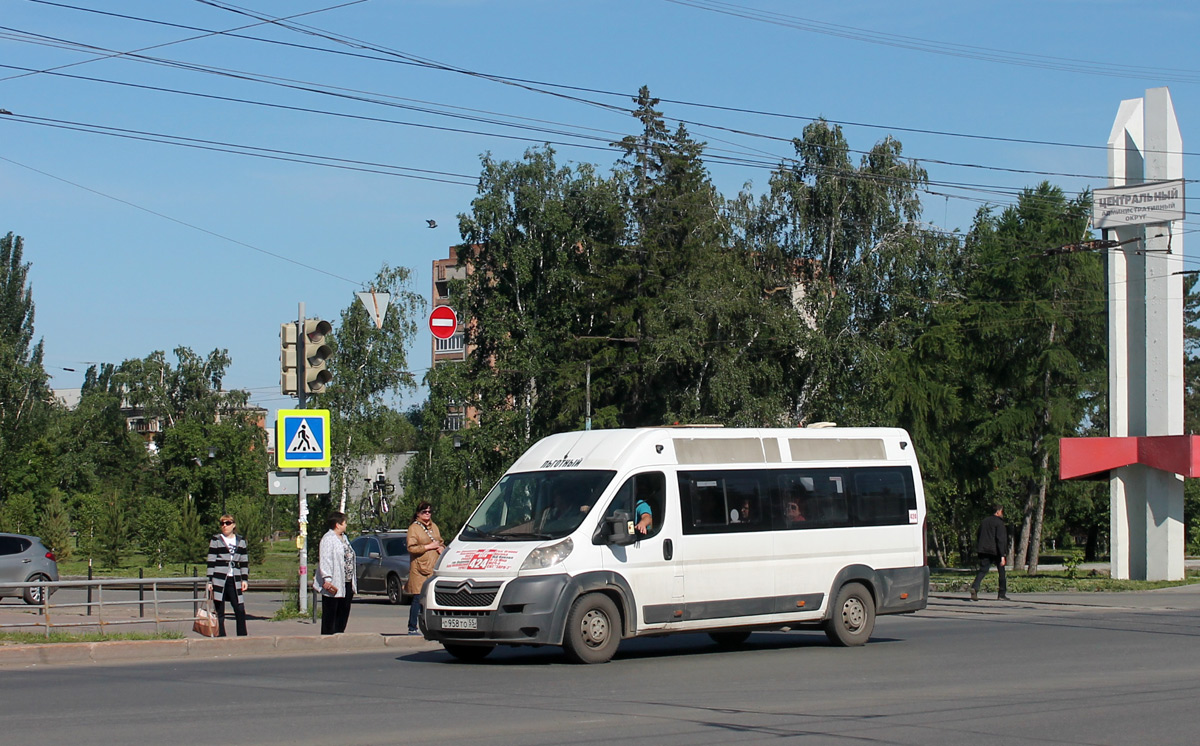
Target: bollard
x=141, y=594
x=89, y=601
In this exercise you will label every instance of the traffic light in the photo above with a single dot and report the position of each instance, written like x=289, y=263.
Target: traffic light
x=288, y=357
x=316, y=353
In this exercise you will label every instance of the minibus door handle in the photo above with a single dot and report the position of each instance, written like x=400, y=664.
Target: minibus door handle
x=668, y=549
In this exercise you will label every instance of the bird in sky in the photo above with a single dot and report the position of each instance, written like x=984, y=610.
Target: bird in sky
x=432, y=223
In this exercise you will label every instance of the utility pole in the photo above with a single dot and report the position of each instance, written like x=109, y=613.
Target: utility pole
x=301, y=377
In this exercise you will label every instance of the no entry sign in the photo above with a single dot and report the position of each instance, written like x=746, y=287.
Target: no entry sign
x=443, y=322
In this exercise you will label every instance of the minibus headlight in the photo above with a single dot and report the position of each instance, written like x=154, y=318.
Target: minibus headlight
x=544, y=557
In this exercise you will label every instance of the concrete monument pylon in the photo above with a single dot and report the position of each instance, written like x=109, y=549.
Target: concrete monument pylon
x=1146, y=454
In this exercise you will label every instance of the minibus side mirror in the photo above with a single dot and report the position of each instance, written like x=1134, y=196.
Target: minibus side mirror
x=620, y=528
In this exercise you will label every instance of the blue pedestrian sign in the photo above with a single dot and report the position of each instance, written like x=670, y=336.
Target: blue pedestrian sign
x=302, y=438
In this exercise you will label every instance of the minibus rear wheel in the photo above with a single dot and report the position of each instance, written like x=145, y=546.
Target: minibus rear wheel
x=468, y=652
x=593, y=629
x=853, y=617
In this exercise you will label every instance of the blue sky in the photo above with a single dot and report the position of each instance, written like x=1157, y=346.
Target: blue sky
x=139, y=246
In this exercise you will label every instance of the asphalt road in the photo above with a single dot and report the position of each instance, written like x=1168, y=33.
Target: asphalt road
x=1080, y=670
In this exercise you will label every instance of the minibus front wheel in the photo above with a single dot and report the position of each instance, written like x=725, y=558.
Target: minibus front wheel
x=852, y=617
x=593, y=629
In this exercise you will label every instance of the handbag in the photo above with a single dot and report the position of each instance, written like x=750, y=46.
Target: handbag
x=206, y=619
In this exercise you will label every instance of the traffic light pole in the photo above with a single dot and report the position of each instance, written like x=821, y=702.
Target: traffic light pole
x=302, y=542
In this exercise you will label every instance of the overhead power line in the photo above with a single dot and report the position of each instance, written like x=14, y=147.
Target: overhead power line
x=207, y=33
x=1104, y=68
x=186, y=224
x=593, y=142
x=254, y=151
x=383, y=54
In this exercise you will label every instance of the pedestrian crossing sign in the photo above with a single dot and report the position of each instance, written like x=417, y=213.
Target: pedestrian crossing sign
x=302, y=438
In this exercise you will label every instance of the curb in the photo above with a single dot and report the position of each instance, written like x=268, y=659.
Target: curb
x=76, y=653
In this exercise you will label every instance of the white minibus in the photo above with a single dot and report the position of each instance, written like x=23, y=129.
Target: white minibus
x=598, y=536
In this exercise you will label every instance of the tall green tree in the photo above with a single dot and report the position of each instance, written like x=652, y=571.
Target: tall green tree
x=1035, y=335
x=24, y=391
x=236, y=468
x=532, y=239
x=864, y=272
x=1191, y=400
x=709, y=340
x=93, y=447
x=190, y=389
x=370, y=373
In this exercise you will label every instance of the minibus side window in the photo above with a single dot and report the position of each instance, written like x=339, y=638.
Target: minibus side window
x=647, y=490
x=811, y=498
x=882, y=497
x=702, y=498
x=796, y=506
x=724, y=501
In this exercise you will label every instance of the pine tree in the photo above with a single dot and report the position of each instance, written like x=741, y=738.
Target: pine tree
x=55, y=530
x=188, y=540
x=1035, y=341
x=155, y=521
x=112, y=539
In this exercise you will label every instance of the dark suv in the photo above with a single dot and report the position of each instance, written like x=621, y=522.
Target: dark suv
x=24, y=559
x=382, y=560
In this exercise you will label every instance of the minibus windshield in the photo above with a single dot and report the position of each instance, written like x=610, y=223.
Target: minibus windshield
x=536, y=505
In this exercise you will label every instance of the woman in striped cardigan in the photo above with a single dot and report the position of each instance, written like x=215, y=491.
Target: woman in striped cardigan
x=228, y=574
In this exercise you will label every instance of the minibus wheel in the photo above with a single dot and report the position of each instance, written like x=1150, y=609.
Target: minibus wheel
x=853, y=616
x=468, y=652
x=593, y=629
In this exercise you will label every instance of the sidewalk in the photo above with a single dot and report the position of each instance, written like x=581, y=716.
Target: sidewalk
x=265, y=637
x=1178, y=598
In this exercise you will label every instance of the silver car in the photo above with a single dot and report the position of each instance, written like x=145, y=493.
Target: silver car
x=25, y=559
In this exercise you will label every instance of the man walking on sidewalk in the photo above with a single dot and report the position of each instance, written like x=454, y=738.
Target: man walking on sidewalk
x=992, y=548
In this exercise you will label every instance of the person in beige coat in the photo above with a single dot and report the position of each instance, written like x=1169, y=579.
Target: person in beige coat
x=425, y=545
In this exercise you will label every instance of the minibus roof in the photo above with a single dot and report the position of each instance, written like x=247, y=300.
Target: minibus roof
x=628, y=448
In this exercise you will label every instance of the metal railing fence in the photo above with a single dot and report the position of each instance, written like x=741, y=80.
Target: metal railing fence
x=158, y=602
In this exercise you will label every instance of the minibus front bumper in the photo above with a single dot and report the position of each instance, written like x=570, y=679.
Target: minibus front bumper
x=528, y=612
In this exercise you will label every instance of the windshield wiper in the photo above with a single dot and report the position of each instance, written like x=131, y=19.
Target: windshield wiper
x=525, y=535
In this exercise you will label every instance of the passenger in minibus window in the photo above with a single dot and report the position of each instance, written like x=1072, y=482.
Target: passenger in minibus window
x=792, y=513
x=645, y=517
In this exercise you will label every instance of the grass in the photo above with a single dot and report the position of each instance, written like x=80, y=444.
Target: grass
x=1056, y=581
x=279, y=564
x=40, y=637
x=290, y=609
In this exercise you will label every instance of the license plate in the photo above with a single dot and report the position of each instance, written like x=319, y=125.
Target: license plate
x=451, y=622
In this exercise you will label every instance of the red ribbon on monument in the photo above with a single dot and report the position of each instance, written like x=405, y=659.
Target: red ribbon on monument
x=1081, y=457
